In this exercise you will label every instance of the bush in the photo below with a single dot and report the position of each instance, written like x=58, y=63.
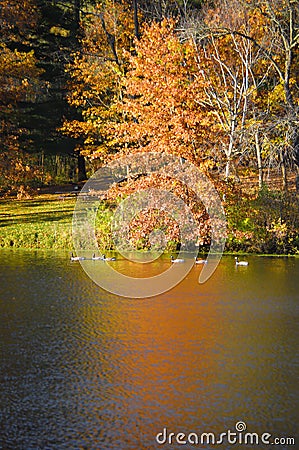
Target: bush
x=267, y=223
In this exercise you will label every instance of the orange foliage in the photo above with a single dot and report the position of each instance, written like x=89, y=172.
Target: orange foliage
x=20, y=81
x=163, y=88
x=19, y=76
x=15, y=166
x=148, y=100
x=16, y=18
x=96, y=73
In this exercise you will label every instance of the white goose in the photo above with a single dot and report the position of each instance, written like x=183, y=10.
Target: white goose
x=108, y=259
x=240, y=263
x=96, y=258
x=200, y=261
x=177, y=260
x=76, y=258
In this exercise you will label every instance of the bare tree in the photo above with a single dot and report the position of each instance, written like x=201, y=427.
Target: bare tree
x=252, y=50
x=227, y=61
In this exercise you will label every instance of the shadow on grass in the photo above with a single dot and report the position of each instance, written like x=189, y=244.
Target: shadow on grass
x=48, y=210
x=50, y=216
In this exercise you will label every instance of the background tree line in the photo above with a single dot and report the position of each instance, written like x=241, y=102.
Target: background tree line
x=37, y=39
x=215, y=82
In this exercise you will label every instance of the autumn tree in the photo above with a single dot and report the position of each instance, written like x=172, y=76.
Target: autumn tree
x=20, y=81
x=163, y=88
x=250, y=57
x=143, y=98
x=98, y=70
x=54, y=41
x=283, y=55
x=96, y=73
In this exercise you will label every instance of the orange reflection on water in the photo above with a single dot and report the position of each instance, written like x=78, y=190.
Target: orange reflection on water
x=162, y=354
x=193, y=358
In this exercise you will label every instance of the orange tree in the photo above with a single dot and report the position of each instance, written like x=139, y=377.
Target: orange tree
x=96, y=72
x=20, y=81
x=146, y=99
x=161, y=104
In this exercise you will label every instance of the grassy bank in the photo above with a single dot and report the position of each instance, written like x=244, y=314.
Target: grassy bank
x=45, y=222
x=264, y=224
x=41, y=222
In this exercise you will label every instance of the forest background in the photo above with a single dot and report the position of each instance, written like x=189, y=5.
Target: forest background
x=212, y=82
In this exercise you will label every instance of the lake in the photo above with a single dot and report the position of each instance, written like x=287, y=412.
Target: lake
x=85, y=369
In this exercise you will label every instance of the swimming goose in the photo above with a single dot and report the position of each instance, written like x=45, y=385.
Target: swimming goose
x=240, y=263
x=200, y=261
x=178, y=260
x=96, y=258
x=108, y=259
x=76, y=258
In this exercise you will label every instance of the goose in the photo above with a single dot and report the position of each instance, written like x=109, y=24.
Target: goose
x=96, y=258
x=76, y=258
x=108, y=259
x=200, y=261
x=177, y=260
x=240, y=263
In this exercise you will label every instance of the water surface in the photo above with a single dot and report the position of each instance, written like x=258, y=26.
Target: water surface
x=84, y=369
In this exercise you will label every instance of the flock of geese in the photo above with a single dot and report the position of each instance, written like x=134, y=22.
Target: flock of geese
x=172, y=259
x=205, y=261
x=93, y=258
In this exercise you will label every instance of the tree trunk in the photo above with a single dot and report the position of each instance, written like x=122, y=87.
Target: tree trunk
x=227, y=169
x=283, y=171
x=77, y=6
x=229, y=151
x=43, y=165
x=81, y=168
x=110, y=39
x=296, y=150
x=259, y=160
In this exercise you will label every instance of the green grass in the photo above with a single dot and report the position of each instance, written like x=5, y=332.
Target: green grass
x=42, y=222
x=45, y=221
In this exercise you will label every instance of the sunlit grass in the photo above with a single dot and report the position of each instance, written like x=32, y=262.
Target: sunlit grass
x=267, y=224
x=42, y=222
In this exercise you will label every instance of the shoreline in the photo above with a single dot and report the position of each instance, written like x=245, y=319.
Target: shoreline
x=44, y=222
x=114, y=252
